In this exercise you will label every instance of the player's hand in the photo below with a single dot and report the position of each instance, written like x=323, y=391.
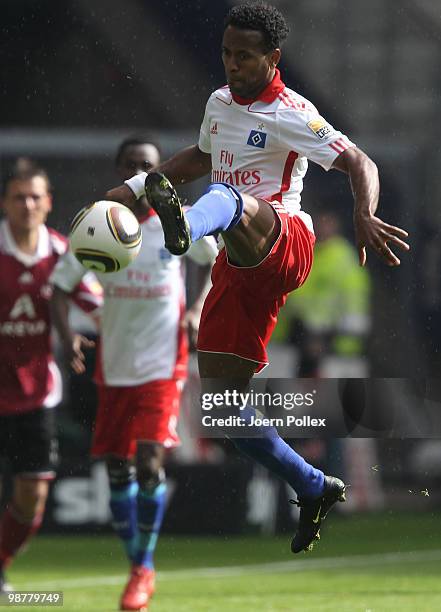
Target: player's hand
x=74, y=355
x=190, y=323
x=370, y=231
x=122, y=194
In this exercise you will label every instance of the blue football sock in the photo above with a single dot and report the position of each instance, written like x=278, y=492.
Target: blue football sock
x=217, y=210
x=151, y=508
x=124, y=513
x=278, y=457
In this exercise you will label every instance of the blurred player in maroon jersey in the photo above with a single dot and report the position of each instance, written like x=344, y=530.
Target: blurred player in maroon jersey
x=30, y=380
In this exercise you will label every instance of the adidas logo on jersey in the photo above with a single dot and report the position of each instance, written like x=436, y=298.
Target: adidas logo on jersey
x=26, y=278
x=213, y=129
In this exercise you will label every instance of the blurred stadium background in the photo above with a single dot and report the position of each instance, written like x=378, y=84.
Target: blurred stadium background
x=78, y=77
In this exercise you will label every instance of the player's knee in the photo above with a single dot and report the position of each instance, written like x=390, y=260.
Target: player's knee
x=121, y=472
x=150, y=475
x=232, y=193
x=29, y=497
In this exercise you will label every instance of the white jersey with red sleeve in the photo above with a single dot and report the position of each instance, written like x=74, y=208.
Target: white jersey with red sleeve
x=261, y=146
x=29, y=377
x=141, y=338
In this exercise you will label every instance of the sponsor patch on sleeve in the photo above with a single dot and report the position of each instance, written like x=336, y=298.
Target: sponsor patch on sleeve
x=320, y=127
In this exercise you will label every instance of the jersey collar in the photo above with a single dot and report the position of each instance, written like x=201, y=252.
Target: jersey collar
x=268, y=95
x=11, y=248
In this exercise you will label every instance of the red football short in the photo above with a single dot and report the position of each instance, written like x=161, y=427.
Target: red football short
x=240, y=311
x=126, y=415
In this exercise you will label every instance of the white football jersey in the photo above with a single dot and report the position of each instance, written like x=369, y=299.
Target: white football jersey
x=140, y=334
x=262, y=146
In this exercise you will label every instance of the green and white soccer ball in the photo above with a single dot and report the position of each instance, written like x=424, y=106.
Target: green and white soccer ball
x=105, y=236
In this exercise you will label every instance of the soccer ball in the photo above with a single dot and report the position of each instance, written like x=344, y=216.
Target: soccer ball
x=105, y=236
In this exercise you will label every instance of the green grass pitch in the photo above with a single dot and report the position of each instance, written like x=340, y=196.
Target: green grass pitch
x=367, y=563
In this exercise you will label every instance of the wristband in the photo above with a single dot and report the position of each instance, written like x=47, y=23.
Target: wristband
x=136, y=184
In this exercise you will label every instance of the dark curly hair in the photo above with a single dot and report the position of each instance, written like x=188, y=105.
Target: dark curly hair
x=261, y=17
x=133, y=141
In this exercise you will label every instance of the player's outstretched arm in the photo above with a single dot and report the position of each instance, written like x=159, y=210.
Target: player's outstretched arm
x=186, y=166
x=370, y=230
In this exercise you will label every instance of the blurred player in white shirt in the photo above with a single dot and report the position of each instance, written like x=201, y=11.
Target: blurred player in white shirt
x=141, y=367
x=256, y=138
x=30, y=382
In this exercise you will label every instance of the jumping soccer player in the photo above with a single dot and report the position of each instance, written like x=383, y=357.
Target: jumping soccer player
x=141, y=369
x=29, y=378
x=256, y=138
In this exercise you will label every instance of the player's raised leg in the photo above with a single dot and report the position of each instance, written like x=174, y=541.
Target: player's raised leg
x=249, y=226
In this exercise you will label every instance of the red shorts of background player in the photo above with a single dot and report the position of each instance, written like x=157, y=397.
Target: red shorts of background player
x=126, y=415
x=240, y=311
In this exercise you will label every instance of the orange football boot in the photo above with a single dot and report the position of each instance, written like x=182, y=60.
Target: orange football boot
x=139, y=589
